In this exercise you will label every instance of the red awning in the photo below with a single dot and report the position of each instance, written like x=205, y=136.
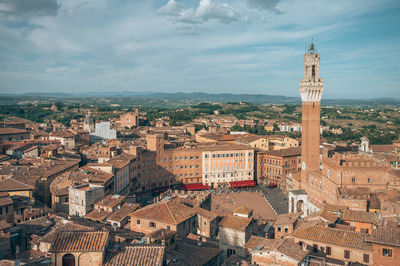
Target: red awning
x=245, y=183
x=195, y=187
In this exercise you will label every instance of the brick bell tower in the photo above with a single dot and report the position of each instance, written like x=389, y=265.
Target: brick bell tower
x=311, y=89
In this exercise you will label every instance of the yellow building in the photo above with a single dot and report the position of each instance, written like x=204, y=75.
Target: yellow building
x=254, y=141
x=268, y=143
x=281, y=142
x=269, y=128
x=15, y=187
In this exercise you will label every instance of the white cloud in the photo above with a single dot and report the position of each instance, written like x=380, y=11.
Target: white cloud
x=138, y=45
x=172, y=8
x=209, y=10
x=205, y=11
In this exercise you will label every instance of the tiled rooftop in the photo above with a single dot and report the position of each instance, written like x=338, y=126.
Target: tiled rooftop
x=385, y=235
x=360, y=216
x=70, y=241
x=333, y=236
x=137, y=255
x=162, y=234
x=4, y=201
x=188, y=252
x=62, y=134
x=296, y=151
x=168, y=211
x=98, y=215
x=286, y=219
x=235, y=222
x=6, y=131
x=292, y=250
x=205, y=213
x=243, y=210
x=266, y=243
x=11, y=184
x=123, y=212
x=110, y=201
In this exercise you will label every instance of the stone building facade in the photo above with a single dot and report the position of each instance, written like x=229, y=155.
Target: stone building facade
x=273, y=166
x=343, y=245
x=166, y=214
x=79, y=248
x=234, y=232
x=130, y=120
x=83, y=197
x=13, y=134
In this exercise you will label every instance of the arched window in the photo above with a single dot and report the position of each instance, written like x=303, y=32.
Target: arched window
x=313, y=72
x=68, y=260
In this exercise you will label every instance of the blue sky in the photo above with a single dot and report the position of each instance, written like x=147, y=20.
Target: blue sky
x=238, y=46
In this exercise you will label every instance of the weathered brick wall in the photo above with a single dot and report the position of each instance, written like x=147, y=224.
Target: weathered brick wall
x=81, y=258
x=337, y=252
x=379, y=259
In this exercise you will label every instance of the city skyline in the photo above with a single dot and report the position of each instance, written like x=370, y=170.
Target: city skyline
x=251, y=46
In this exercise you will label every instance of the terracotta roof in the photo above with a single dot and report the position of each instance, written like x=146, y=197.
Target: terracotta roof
x=235, y=222
x=386, y=236
x=360, y=216
x=168, y=211
x=98, y=215
x=62, y=134
x=162, y=234
x=292, y=250
x=328, y=216
x=121, y=160
x=382, y=148
x=11, y=184
x=110, y=201
x=286, y=219
x=205, y=213
x=249, y=139
x=345, y=227
x=187, y=252
x=31, y=256
x=7, y=131
x=334, y=208
x=296, y=151
x=137, y=255
x=285, y=246
x=120, y=214
x=5, y=225
x=79, y=241
x=28, y=174
x=51, y=236
x=333, y=236
x=262, y=243
x=243, y=210
x=4, y=201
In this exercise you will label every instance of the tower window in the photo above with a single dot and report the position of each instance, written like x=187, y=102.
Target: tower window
x=313, y=72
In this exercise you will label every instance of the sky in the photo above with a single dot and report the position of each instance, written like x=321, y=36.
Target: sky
x=213, y=46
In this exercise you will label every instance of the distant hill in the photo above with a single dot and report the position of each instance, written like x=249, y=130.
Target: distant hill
x=190, y=97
